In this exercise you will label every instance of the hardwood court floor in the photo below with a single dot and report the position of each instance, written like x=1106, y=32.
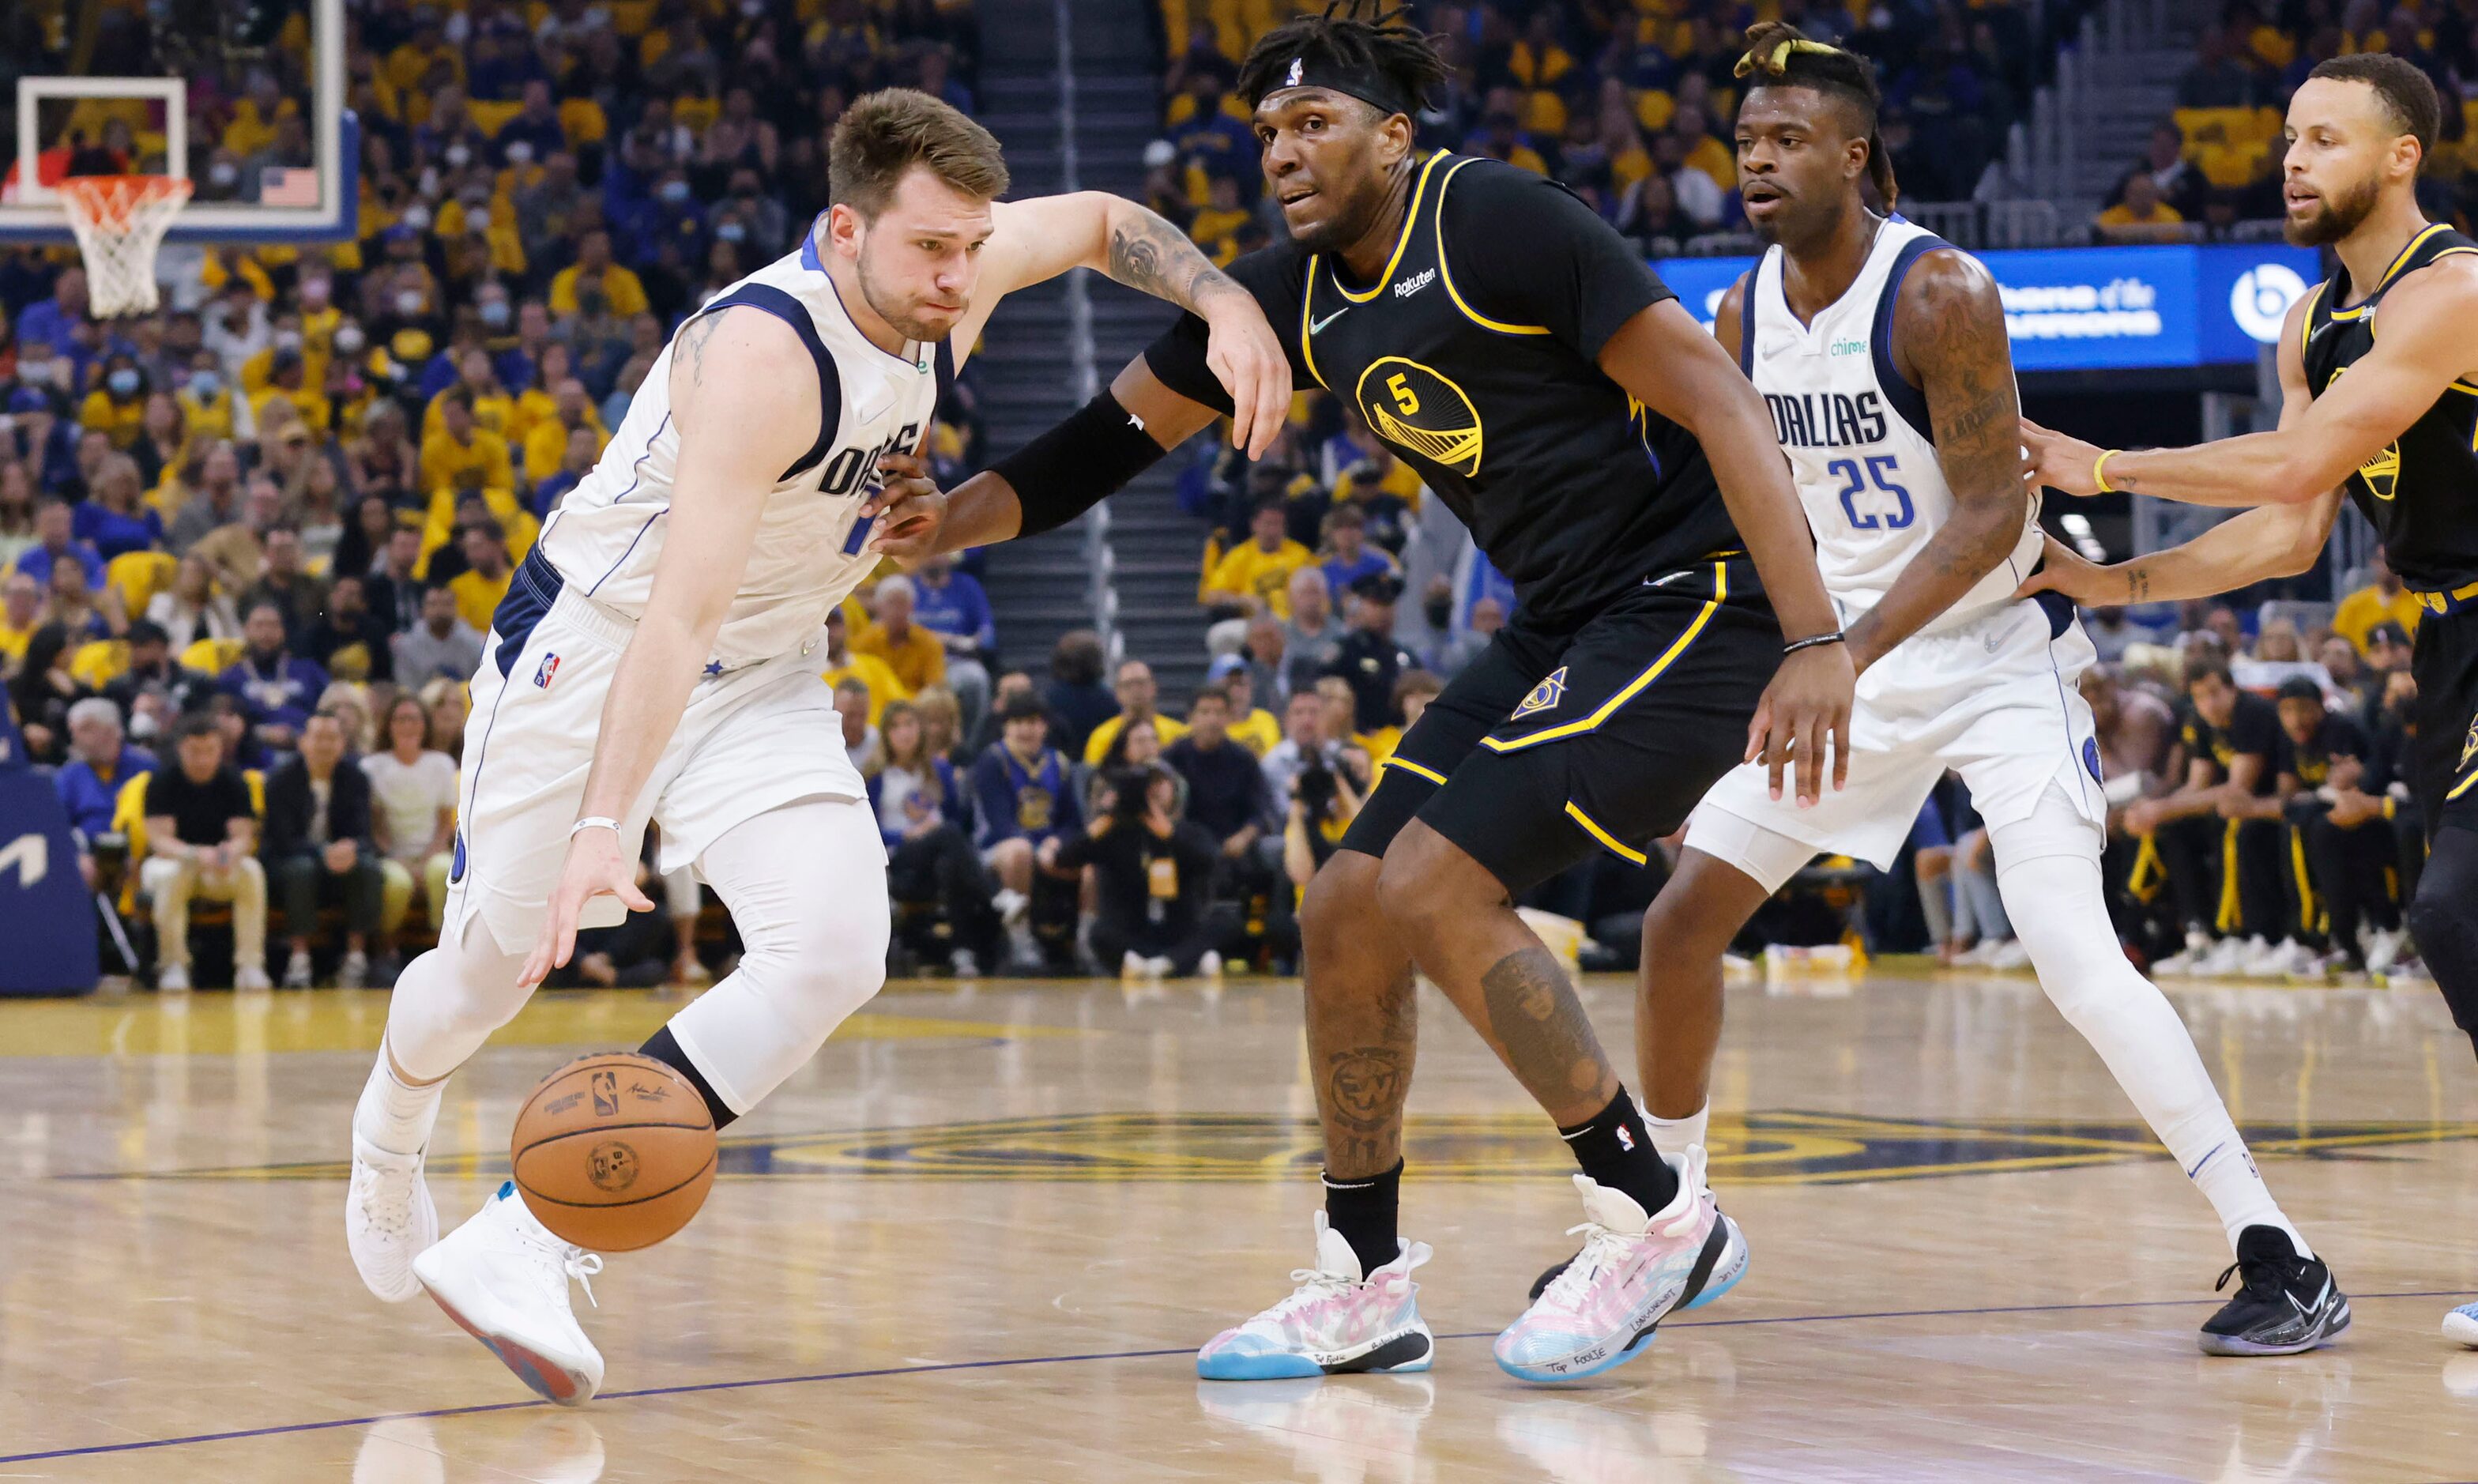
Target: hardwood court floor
x=980, y=1235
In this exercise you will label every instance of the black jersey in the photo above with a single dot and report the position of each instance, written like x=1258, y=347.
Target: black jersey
x=2421, y=493
x=2335, y=738
x=1474, y=357
x=2253, y=730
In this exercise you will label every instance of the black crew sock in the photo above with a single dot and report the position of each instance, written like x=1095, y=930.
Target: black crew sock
x=1615, y=1151
x=1363, y=1211
x=664, y=1048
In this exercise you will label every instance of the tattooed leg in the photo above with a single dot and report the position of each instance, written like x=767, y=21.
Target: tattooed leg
x=1363, y=1018
x=1466, y=937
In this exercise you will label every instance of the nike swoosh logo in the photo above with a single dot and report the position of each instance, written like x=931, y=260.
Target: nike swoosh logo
x=2205, y=1160
x=1317, y=325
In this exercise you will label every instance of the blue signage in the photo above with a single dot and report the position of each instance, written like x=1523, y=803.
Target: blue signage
x=2080, y=309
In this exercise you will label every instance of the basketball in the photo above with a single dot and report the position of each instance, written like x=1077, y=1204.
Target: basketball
x=614, y=1152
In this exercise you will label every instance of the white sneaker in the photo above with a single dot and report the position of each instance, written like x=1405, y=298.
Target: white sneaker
x=2461, y=1325
x=354, y=973
x=1131, y=965
x=296, y=972
x=1157, y=968
x=1209, y=967
x=964, y=965
x=503, y=1278
x=2198, y=947
x=2384, y=949
x=1012, y=906
x=173, y=979
x=389, y=1220
x=2010, y=955
x=2266, y=960
x=250, y=978
x=1334, y=1322
x=1635, y=1266
x=2224, y=960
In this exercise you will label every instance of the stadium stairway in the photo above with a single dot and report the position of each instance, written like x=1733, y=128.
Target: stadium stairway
x=2112, y=86
x=1031, y=360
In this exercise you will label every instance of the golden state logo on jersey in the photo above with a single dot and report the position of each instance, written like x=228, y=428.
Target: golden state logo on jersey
x=2381, y=473
x=1417, y=408
x=1546, y=693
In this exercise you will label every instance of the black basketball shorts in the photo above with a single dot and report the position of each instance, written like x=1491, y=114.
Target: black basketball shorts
x=2445, y=754
x=1552, y=745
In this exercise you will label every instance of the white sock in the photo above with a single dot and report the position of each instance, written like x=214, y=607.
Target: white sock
x=2063, y=920
x=1672, y=1136
x=395, y=1117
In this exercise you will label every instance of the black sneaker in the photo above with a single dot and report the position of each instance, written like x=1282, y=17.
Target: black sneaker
x=2285, y=1304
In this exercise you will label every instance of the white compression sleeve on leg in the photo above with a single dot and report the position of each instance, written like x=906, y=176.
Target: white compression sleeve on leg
x=806, y=885
x=448, y=1000
x=2048, y=870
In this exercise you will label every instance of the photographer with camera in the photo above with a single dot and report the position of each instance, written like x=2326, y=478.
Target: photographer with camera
x=1152, y=876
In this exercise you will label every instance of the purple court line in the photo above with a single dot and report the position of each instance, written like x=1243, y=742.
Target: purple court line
x=1054, y=1360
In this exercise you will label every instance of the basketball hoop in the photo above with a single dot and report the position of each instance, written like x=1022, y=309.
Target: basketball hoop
x=120, y=221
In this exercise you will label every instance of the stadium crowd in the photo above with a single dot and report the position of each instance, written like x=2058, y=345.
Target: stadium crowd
x=249, y=545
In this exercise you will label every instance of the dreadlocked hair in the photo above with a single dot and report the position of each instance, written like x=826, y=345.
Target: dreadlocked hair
x=1385, y=42
x=1779, y=56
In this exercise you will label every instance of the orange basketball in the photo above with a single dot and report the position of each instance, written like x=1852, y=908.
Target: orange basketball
x=614, y=1152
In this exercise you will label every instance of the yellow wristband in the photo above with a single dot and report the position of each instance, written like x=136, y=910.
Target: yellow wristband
x=2099, y=470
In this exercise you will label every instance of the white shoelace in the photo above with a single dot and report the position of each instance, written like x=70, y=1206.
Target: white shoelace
x=1604, y=1246
x=569, y=1261
x=1314, y=1284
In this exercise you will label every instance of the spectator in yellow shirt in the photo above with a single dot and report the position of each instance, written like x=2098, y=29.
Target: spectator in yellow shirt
x=1138, y=698
x=1252, y=726
x=546, y=444
x=1254, y=576
x=494, y=408
x=2141, y=216
x=913, y=653
x=621, y=292
x=868, y=670
x=464, y=456
x=116, y=406
x=289, y=383
x=21, y=614
x=2383, y=598
x=208, y=407
x=484, y=582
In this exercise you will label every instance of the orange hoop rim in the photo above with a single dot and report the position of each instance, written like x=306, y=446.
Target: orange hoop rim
x=112, y=202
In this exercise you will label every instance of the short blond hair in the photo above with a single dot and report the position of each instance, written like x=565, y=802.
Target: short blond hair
x=883, y=135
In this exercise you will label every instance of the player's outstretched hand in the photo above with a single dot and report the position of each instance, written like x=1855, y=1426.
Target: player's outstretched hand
x=1808, y=702
x=1247, y=357
x=2058, y=461
x=595, y=867
x=2064, y=569
x=909, y=509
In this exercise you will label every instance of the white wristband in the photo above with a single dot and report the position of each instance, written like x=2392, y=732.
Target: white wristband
x=595, y=823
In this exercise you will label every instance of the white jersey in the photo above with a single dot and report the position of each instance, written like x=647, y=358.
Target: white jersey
x=608, y=534
x=1857, y=435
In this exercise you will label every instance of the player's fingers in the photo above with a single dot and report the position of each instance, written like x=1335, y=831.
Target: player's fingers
x=1777, y=754
x=635, y=897
x=1243, y=407
x=1275, y=378
x=1810, y=761
x=1840, y=749
x=1758, y=726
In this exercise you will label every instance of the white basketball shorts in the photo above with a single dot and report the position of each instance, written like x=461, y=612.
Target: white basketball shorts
x=750, y=739
x=1994, y=698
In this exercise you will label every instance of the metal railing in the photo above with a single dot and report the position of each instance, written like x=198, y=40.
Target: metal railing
x=1100, y=595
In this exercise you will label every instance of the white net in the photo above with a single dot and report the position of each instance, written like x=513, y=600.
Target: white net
x=120, y=221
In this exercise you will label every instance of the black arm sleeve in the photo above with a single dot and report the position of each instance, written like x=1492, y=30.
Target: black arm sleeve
x=1273, y=275
x=1564, y=267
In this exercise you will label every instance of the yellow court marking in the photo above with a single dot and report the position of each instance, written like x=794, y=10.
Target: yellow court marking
x=212, y=1025
x=1786, y=1148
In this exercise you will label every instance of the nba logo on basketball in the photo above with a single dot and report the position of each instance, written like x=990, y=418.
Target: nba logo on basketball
x=606, y=1094
x=543, y=672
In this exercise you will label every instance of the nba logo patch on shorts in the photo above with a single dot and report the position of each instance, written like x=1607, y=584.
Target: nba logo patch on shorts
x=1546, y=693
x=543, y=672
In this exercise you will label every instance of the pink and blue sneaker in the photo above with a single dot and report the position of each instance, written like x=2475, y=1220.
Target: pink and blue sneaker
x=1335, y=1323
x=1633, y=1271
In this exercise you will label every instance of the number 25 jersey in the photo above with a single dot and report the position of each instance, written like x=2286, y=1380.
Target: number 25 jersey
x=1857, y=434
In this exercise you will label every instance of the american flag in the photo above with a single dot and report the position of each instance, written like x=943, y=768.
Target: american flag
x=287, y=186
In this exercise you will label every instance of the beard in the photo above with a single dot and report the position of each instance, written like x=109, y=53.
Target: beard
x=1349, y=224
x=2335, y=216
x=900, y=313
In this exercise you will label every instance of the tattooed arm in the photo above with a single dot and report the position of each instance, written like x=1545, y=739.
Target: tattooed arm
x=741, y=423
x=1032, y=241
x=1949, y=340
x=2250, y=546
